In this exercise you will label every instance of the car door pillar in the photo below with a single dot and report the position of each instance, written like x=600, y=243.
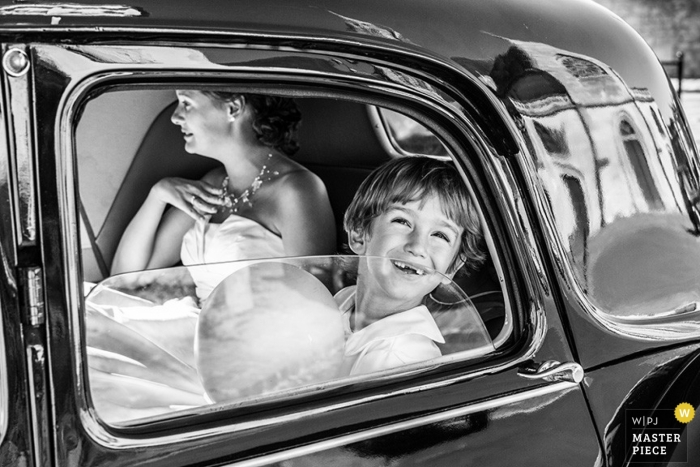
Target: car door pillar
x=21, y=254
x=17, y=83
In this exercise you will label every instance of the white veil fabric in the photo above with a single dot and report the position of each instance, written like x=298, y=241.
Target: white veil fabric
x=271, y=329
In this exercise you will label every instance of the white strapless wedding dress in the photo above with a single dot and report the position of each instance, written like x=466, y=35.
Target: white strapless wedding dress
x=236, y=238
x=141, y=354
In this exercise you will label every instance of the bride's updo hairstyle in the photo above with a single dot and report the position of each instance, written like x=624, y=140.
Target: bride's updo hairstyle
x=276, y=119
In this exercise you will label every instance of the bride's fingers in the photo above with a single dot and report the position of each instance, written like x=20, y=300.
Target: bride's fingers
x=197, y=198
x=190, y=208
x=208, y=189
x=202, y=205
x=209, y=194
x=212, y=199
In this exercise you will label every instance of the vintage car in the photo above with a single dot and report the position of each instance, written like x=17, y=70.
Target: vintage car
x=567, y=133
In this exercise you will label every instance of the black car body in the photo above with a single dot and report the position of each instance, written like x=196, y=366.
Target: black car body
x=566, y=129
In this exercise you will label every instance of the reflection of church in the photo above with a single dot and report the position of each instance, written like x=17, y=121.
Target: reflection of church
x=589, y=134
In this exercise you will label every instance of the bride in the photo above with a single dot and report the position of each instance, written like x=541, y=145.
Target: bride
x=258, y=204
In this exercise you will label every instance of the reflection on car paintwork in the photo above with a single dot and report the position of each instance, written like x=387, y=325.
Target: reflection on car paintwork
x=572, y=107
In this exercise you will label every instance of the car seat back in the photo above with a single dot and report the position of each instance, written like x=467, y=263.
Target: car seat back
x=161, y=154
x=337, y=143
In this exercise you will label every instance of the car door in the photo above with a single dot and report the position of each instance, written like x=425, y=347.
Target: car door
x=616, y=210
x=522, y=403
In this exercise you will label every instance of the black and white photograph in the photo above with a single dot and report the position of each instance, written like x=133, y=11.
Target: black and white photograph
x=349, y=233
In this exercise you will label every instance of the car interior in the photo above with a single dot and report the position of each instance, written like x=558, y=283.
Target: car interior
x=126, y=142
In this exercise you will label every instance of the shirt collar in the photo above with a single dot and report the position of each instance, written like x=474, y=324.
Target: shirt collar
x=417, y=320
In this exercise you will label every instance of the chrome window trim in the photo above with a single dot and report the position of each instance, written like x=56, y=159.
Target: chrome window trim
x=4, y=391
x=8, y=260
x=508, y=323
x=380, y=130
x=71, y=9
x=388, y=142
x=81, y=82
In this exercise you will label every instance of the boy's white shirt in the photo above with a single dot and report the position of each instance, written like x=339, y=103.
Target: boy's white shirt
x=398, y=339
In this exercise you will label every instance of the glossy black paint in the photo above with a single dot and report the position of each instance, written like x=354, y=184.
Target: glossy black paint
x=466, y=55
x=470, y=440
x=662, y=379
x=469, y=30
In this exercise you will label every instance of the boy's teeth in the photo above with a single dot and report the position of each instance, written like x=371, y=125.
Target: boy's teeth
x=402, y=265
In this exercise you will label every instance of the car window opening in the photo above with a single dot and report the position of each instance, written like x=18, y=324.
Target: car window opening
x=137, y=373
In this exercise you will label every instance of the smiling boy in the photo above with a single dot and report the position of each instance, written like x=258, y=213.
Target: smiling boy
x=414, y=220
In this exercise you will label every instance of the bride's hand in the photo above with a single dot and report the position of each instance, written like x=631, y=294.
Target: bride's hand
x=194, y=197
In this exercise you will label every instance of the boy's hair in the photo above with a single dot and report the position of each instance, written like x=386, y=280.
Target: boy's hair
x=414, y=178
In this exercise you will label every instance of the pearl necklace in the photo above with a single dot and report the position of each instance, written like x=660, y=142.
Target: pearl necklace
x=232, y=203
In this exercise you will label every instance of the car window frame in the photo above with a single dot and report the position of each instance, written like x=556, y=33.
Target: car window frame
x=393, y=96
x=388, y=141
x=8, y=244
x=509, y=325
x=4, y=392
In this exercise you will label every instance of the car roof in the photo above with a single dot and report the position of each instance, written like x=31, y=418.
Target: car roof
x=466, y=31
x=466, y=36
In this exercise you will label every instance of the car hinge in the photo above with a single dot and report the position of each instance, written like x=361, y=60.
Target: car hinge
x=33, y=313
x=17, y=82
x=33, y=320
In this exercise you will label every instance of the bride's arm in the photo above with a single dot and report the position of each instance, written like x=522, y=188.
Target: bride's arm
x=154, y=236
x=138, y=242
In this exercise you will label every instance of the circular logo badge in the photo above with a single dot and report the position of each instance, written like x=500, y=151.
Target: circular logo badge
x=684, y=412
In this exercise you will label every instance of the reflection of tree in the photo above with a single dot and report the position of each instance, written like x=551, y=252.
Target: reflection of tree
x=509, y=67
x=541, y=93
x=371, y=29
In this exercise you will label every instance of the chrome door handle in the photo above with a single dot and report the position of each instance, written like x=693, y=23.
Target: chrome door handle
x=553, y=371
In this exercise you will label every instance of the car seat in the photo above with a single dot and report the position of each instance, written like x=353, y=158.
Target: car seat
x=337, y=143
x=161, y=154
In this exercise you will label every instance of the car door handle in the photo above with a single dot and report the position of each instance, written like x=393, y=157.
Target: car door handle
x=552, y=371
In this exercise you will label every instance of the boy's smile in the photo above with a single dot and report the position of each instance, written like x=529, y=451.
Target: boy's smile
x=419, y=239
x=408, y=268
